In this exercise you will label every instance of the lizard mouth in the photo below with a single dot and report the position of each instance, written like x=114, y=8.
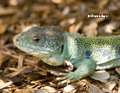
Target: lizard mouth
x=29, y=49
x=34, y=52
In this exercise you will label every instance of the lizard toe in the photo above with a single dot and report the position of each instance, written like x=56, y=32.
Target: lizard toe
x=69, y=78
x=64, y=81
x=61, y=78
x=68, y=71
x=63, y=74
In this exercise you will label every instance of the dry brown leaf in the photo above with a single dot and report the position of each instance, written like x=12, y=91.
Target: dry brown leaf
x=67, y=22
x=3, y=84
x=3, y=28
x=57, y=1
x=94, y=89
x=69, y=88
x=117, y=70
x=119, y=86
x=111, y=84
x=100, y=19
x=38, y=8
x=112, y=6
x=66, y=10
x=25, y=28
x=20, y=62
x=26, y=91
x=102, y=76
x=3, y=58
x=113, y=80
x=7, y=11
x=102, y=3
x=74, y=87
x=41, y=91
x=107, y=90
x=108, y=28
x=49, y=89
x=91, y=29
x=73, y=29
x=15, y=2
x=18, y=71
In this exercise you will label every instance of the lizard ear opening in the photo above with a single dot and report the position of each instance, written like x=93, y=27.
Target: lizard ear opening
x=62, y=49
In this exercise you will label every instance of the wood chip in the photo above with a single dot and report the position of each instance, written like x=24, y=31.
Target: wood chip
x=117, y=70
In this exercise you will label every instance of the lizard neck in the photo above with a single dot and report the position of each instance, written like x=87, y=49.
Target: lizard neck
x=60, y=56
x=74, y=47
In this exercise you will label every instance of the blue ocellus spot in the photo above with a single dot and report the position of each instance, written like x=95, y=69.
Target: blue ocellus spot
x=99, y=49
x=109, y=57
x=88, y=53
x=105, y=53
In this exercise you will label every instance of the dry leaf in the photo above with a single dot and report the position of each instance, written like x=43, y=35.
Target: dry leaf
x=94, y=89
x=73, y=29
x=25, y=28
x=74, y=86
x=108, y=29
x=102, y=76
x=18, y=71
x=57, y=1
x=49, y=89
x=3, y=28
x=15, y=2
x=38, y=8
x=66, y=10
x=69, y=88
x=3, y=58
x=67, y=22
x=20, y=61
x=111, y=84
x=119, y=86
x=41, y=91
x=3, y=85
x=102, y=3
x=91, y=29
x=117, y=70
x=107, y=90
x=7, y=11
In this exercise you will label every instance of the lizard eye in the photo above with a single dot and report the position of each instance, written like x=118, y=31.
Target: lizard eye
x=36, y=39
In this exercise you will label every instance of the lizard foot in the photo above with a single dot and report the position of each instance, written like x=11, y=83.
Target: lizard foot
x=68, y=78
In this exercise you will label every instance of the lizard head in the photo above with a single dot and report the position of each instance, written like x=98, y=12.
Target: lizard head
x=41, y=41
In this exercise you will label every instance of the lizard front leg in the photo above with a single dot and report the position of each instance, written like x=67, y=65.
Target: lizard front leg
x=86, y=68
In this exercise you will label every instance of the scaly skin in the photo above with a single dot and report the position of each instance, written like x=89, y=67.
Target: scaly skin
x=53, y=45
